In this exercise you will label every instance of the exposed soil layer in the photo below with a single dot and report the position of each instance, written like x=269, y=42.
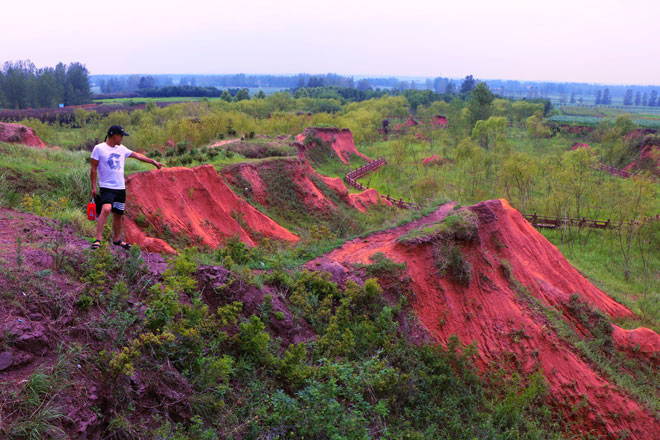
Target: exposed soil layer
x=19, y=134
x=433, y=160
x=579, y=145
x=516, y=275
x=196, y=203
x=410, y=122
x=258, y=181
x=341, y=141
x=439, y=120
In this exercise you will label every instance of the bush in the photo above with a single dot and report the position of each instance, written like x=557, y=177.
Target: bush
x=463, y=225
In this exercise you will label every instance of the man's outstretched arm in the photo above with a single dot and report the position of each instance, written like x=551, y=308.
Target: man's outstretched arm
x=143, y=158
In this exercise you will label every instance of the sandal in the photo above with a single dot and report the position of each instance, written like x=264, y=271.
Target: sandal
x=96, y=244
x=122, y=244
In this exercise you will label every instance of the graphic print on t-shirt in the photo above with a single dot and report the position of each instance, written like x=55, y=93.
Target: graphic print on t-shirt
x=113, y=161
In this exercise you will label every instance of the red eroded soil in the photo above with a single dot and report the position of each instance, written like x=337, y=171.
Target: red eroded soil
x=409, y=123
x=258, y=177
x=19, y=134
x=366, y=199
x=305, y=179
x=196, y=202
x=509, y=330
x=341, y=141
x=578, y=145
x=649, y=157
x=433, y=160
x=439, y=120
x=642, y=340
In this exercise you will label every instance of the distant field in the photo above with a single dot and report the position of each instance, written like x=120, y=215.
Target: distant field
x=592, y=115
x=144, y=100
x=253, y=91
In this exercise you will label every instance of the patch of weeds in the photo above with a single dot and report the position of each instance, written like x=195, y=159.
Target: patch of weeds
x=450, y=260
x=461, y=226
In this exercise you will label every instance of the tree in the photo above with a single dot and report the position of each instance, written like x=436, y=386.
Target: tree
x=451, y=88
x=628, y=97
x=47, y=92
x=241, y=95
x=638, y=98
x=606, y=99
x=632, y=204
x=572, y=98
x=315, y=81
x=363, y=84
x=469, y=83
x=440, y=85
x=16, y=83
x=260, y=95
x=225, y=96
x=598, y=97
x=146, y=82
x=536, y=128
x=481, y=103
x=645, y=99
x=518, y=173
x=653, y=100
x=77, y=85
x=487, y=131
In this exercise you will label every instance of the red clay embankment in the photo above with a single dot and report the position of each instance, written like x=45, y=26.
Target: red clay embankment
x=509, y=327
x=195, y=202
x=19, y=134
x=256, y=179
x=341, y=141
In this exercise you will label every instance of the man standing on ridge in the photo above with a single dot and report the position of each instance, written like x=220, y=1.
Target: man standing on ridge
x=108, y=162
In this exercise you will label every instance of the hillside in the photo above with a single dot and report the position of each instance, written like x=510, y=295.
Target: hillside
x=490, y=278
x=274, y=292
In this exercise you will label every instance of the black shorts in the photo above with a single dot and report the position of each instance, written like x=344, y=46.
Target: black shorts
x=114, y=197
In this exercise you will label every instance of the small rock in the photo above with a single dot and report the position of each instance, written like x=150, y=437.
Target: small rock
x=6, y=359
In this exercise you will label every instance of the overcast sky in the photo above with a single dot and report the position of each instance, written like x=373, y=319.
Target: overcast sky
x=597, y=41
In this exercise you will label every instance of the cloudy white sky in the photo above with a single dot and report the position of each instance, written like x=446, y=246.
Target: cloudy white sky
x=599, y=41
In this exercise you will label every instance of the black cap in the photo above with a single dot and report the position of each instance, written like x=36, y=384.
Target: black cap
x=116, y=129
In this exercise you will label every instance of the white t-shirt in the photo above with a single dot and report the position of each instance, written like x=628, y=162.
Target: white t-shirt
x=111, y=165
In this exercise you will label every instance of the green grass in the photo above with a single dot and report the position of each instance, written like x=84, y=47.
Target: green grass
x=600, y=260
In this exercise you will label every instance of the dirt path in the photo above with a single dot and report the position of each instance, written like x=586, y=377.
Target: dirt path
x=223, y=143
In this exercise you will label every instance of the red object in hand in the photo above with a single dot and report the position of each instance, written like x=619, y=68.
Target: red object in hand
x=91, y=211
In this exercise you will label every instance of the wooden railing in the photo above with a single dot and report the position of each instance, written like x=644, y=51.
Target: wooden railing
x=352, y=176
x=613, y=171
x=366, y=168
x=541, y=221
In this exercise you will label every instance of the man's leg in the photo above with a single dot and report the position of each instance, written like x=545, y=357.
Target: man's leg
x=100, y=223
x=116, y=227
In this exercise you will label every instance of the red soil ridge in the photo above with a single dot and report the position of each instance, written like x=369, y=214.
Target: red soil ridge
x=299, y=170
x=19, y=134
x=578, y=145
x=439, y=120
x=490, y=312
x=341, y=141
x=433, y=160
x=409, y=123
x=649, y=153
x=197, y=203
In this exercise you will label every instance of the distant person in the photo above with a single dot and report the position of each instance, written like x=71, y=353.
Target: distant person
x=108, y=161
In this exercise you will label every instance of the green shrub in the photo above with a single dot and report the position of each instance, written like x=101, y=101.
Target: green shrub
x=460, y=226
x=449, y=260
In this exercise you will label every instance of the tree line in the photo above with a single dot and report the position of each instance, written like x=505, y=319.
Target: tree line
x=641, y=98
x=22, y=85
